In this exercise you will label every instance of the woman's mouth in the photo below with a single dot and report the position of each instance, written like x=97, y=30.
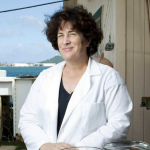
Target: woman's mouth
x=67, y=48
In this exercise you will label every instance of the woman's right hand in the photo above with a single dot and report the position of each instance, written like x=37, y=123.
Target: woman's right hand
x=54, y=146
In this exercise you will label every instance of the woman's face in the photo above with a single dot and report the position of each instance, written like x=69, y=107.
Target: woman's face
x=71, y=44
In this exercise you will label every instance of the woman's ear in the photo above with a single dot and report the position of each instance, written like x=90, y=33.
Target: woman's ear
x=88, y=42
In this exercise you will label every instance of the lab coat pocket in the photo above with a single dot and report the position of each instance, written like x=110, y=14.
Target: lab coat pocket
x=93, y=116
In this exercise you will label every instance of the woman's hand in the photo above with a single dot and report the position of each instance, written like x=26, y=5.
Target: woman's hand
x=54, y=146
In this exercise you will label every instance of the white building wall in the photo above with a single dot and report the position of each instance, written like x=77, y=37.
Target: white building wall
x=20, y=65
x=22, y=88
x=48, y=64
x=131, y=55
x=2, y=73
x=18, y=89
x=108, y=20
x=30, y=65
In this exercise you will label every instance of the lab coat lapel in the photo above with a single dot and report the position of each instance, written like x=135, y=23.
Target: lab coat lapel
x=52, y=99
x=80, y=91
x=82, y=88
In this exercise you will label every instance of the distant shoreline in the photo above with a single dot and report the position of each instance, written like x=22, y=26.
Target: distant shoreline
x=24, y=66
x=24, y=71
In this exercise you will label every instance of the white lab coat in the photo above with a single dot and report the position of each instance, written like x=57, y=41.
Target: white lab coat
x=99, y=110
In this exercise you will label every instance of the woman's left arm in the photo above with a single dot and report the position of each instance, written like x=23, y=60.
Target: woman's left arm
x=118, y=106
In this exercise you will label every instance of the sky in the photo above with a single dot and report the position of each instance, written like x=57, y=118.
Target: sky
x=21, y=32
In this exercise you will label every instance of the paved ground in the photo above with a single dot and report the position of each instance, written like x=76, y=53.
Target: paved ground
x=8, y=148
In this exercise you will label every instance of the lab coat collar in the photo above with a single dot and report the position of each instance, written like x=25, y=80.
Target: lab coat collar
x=92, y=68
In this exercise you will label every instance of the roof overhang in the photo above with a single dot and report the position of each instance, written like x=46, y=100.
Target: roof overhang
x=70, y=3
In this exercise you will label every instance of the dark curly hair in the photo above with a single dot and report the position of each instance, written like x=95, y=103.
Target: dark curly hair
x=81, y=21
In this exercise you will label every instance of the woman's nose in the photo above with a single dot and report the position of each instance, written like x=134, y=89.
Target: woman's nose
x=66, y=40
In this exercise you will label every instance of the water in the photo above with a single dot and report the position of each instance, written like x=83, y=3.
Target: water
x=17, y=71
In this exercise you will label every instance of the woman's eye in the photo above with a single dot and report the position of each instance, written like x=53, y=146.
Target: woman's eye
x=72, y=33
x=60, y=36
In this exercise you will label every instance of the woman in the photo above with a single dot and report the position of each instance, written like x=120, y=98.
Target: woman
x=78, y=102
